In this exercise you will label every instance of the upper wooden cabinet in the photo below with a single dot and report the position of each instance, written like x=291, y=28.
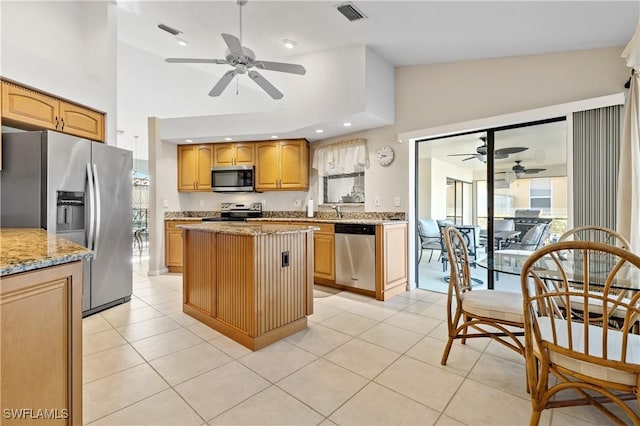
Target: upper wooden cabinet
x=282, y=165
x=194, y=167
x=233, y=154
x=29, y=109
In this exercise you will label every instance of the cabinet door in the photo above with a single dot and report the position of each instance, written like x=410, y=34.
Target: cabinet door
x=244, y=154
x=267, y=166
x=223, y=154
x=187, y=168
x=324, y=256
x=294, y=157
x=29, y=108
x=80, y=121
x=204, y=159
x=173, y=255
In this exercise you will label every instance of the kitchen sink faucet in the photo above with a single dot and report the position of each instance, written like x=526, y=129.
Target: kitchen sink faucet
x=338, y=211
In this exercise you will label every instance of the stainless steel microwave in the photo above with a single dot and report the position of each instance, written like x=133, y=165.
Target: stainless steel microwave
x=232, y=178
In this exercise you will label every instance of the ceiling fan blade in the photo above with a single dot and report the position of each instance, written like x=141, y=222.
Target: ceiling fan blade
x=266, y=86
x=511, y=150
x=458, y=155
x=233, y=43
x=532, y=171
x=281, y=66
x=470, y=158
x=195, y=61
x=222, y=83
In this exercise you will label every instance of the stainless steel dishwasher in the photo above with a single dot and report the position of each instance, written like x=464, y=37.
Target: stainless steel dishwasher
x=356, y=255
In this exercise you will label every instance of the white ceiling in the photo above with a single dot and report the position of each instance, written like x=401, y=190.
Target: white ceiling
x=401, y=32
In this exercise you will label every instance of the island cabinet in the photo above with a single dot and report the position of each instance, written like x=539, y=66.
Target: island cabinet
x=29, y=109
x=173, y=243
x=391, y=260
x=282, y=165
x=233, y=154
x=194, y=167
x=251, y=282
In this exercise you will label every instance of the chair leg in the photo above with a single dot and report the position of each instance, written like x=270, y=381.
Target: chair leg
x=420, y=255
x=447, y=349
x=430, y=255
x=535, y=418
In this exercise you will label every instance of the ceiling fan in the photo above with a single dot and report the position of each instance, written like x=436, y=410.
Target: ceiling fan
x=499, y=154
x=519, y=170
x=242, y=59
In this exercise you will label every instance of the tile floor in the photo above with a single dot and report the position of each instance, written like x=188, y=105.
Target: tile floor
x=360, y=362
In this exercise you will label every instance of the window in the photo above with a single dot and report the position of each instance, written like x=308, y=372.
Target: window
x=344, y=188
x=540, y=194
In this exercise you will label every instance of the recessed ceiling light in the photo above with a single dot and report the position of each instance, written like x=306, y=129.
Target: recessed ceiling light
x=181, y=41
x=346, y=124
x=228, y=139
x=319, y=131
x=274, y=137
x=188, y=140
x=289, y=44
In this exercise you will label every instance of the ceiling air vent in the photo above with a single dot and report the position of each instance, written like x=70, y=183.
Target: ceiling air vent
x=350, y=12
x=168, y=29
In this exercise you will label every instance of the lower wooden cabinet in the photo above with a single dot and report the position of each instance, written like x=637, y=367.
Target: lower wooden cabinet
x=324, y=265
x=41, y=341
x=173, y=244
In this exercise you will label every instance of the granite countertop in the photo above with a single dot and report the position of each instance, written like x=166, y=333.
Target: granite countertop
x=325, y=220
x=184, y=218
x=26, y=249
x=242, y=228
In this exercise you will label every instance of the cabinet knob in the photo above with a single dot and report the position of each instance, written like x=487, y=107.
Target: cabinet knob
x=62, y=121
x=56, y=121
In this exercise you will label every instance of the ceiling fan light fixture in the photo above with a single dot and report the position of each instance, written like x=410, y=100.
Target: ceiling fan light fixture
x=289, y=44
x=169, y=29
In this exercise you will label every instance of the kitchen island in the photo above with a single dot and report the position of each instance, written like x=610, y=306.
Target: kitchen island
x=251, y=282
x=40, y=326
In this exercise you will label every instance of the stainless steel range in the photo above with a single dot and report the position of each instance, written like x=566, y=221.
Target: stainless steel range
x=236, y=212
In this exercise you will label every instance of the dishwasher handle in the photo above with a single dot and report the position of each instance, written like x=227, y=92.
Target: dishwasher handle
x=355, y=228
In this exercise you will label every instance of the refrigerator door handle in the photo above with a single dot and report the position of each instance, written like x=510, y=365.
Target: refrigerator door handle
x=92, y=207
x=97, y=189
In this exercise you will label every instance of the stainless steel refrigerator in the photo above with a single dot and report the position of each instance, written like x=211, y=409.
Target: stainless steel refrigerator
x=80, y=190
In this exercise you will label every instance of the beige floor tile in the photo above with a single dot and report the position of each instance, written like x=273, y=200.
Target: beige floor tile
x=429, y=385
x=170, y=308
x=322, y=312
x=132, y=304
x=415, y=294
x=461, y=359
x=203, y=331
x=230, y=347
x=326, y=422
x=391, y=337
x=323, y=386
x=558, y=418
x=166, y=343
x=448, y=421
x=156, y=299
x=153, y=289
x=478, y=404
x=151, y=327
x=349, y=323
x=398, y=303
x=591, y=414
x=502, y=374
x=164, y=408
x=413, y=322
x=189, y=363
x=339, y=301
x=433, y=297
x=109, y=361
x=350, y=356
x=183, y=319
x=441, y=332
x=428, y=309
x=104, y=396
x=100, y=341
x=375, y=312
x=122, y=318
x=94, y=324
x=169, y=278
x=277, y=360
x=270, y=407
x=499, y=350
x=376, y=405
x=318, y=339
x=212, y=393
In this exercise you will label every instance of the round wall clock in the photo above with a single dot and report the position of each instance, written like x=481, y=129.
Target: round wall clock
x=385, y=155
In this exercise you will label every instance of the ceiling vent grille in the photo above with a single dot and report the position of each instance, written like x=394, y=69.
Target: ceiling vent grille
x=350, y=12
x=168, y=29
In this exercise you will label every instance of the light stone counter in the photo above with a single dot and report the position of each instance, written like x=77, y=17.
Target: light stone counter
x=326, y=220
x=27, y=249
x=243, y=228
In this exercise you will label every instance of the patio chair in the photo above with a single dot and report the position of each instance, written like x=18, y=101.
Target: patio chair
x=532, y=240
x=478, y=313
x=442, y=224
x=430, y=238
x=580, y=361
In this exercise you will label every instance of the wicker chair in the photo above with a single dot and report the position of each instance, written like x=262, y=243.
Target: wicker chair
x=600, y=364
x=486, y=313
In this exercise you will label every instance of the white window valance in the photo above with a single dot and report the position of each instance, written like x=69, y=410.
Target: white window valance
x=341, y=157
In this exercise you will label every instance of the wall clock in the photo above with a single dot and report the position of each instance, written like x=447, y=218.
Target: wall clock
x=385, y=156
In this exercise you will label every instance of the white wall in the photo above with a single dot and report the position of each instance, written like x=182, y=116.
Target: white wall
x=66, y=48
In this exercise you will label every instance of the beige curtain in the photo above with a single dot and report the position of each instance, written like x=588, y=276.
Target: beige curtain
x=340, y=157
x=628, y=199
